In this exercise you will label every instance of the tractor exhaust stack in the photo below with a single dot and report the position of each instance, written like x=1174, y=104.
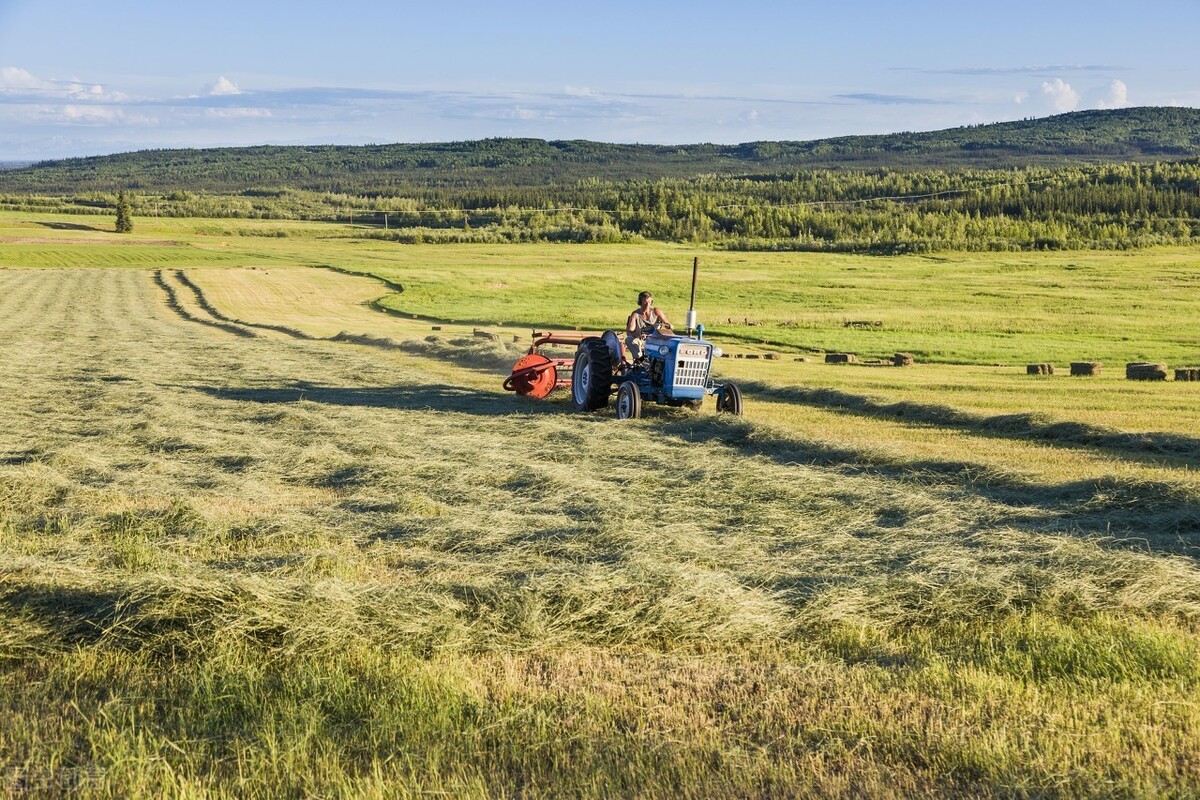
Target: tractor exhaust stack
x=691, y=314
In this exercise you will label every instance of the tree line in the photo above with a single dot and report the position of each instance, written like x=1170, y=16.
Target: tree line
x=1105, y=206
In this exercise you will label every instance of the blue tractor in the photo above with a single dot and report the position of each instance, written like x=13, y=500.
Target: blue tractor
x=672, y=370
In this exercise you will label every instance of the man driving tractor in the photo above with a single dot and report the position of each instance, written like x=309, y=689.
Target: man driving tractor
x=645, y=320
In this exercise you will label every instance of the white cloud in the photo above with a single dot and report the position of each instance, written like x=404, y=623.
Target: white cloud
x=21, y=82
x=1060, y=94
x=223, y=86
x=1115, y=95
x=15, y=79
x=1020, y=97
x=236, y=113
x=104, y=115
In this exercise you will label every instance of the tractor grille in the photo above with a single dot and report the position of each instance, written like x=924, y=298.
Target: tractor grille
x=690, y=372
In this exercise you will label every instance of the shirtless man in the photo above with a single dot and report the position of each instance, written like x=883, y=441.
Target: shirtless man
x=644, y=320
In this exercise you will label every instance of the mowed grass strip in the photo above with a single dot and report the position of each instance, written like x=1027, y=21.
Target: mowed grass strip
x=954, y=424
x=242, y=566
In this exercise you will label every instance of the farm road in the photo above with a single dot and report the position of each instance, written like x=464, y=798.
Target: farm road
x=133, y=440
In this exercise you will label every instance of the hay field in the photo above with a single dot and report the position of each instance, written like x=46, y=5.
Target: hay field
x=240, y=559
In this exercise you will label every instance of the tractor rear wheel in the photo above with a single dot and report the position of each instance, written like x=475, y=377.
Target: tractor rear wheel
x=591, y=380
x=629, y=401
x=730, y=400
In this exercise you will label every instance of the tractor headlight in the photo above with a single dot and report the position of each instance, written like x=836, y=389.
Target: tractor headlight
x=718, y=352
x=663, y=349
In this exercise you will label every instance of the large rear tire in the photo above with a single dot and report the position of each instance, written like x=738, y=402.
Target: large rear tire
x=730, y=401
x=591, y=380
x=629, y=401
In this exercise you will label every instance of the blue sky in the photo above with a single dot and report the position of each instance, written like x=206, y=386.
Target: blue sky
x=83, y=78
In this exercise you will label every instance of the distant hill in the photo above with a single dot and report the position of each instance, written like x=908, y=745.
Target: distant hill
x=1132, y=134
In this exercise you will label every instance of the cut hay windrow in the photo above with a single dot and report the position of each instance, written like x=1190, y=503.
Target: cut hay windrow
x=263, y=566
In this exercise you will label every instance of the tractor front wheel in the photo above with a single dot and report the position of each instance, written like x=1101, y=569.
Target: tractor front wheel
x=629, y=401
x=591, y=380
x=730, y=400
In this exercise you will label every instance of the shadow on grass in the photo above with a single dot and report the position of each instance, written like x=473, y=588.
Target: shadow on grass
x=1026, y=426
x=1143, y=515
x=76, y=616
x=70, y=226
x=424, y=397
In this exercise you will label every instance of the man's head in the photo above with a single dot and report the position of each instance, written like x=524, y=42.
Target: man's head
x=645, y=299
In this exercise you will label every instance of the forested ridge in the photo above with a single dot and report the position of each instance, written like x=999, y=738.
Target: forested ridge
x=1097, y=179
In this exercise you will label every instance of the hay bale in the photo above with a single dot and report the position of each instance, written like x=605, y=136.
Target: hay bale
x=752, y=355
x=1039, y=369
x=1187, y=374
x=516, y=338
x=739, y=355
x=771, y=356
x=492, y=337
x=1145, y=371
x=840, y=358
x=437, y=327
x=903, y=359
x=1085, y=367
x=801, y=359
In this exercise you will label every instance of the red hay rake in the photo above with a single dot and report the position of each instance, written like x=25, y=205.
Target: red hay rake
x=536, y=374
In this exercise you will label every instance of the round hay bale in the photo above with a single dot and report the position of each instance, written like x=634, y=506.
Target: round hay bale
x=771, y=356
x=1039, y=369
x=752, y=355
x=739, y=355
x=1187, y=374
x=801, y=359
x=1085, y=367
x=1145, y=371
x=840, y=358
x=903, y=359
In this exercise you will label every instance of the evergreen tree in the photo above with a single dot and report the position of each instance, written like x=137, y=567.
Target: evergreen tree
x=124, y=214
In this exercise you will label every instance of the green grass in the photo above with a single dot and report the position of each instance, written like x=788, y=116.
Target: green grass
x=975, y=308
x=255, y=565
